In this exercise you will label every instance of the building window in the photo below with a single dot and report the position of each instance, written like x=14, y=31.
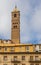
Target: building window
x=27, y=47
x=15, y=26
x=23, y=64
x=15, y=23
x=36, y=58
x=23, y=57
x=15, y=64
x=0, y=48
x=39, y=46
x=4, y=64
x=31, y=57
x=12, y=48
x=5, y=58
x=14, y=15
x=31, y=64
x=5, y=48
x=15, y=58
x=36, y=64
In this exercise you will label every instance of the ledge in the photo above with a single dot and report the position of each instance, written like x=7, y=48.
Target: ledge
x=35, y=61
x=13, y=61
x=20, y=52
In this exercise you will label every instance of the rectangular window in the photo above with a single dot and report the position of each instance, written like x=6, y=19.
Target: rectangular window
x=15, y=64
x=5, y=48
x=0, y=48
x=4, y=64
x=36, y=58
x=31, y=64
x=12, y=48
x=31, y=57
x=23, y=64
x=15, y=58
x=27, y=48
x=37, y=64
x=23, y=57
x=5, y=58
x=14, y=15
x=39, y=46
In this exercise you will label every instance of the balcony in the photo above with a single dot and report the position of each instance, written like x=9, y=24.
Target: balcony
x=35, y=61
x=15, y=61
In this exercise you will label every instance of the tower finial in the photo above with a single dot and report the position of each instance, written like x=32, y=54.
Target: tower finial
x=15, y=9
x=15, y=6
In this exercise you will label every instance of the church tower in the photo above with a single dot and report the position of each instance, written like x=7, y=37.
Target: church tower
x=15, y=28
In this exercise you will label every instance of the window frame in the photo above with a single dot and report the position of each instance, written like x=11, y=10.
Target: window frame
x=15, y=15
x=15, y=58
x=5, y=48
x=36, y=58
x=31, y=58
x=27, y=48
x=5, y=58
x=23, y=57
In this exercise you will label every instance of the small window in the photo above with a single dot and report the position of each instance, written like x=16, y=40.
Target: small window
x=39, y=46
x=15, y=58
x=12, y=48
x=15, y=23
x=31, y=58
x=5, y=58
x=37, y=64
x=1, y=41
x=31, y=64
x=0, y=48
x=23, y=57
x=27, y=48
x=14, y=15
x=23, y=64
x=5, y=48
x=15, y=64
x=36, y=58
x=6, y=40
x=15, y=26
x=4, y=64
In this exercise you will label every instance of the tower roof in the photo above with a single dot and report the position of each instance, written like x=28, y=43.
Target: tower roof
x=15, y=9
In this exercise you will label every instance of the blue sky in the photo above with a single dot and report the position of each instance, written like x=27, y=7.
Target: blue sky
x=30, y=19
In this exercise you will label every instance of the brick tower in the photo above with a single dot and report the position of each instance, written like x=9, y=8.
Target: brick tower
x=15, y=28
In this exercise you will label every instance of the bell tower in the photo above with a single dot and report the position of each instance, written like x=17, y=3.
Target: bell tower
x=15, y=28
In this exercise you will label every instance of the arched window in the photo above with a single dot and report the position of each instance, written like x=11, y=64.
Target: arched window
x=14, y=15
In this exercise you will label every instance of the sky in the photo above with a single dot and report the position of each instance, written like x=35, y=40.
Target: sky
x=30, y=20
